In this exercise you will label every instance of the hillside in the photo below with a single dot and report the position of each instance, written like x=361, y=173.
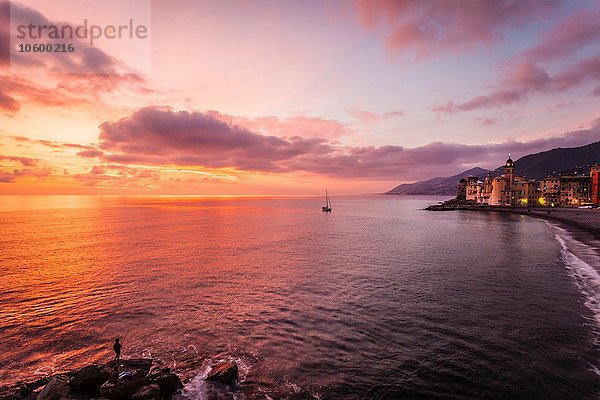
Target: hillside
x=558, y=161
x=437, y=186
x=534, y=166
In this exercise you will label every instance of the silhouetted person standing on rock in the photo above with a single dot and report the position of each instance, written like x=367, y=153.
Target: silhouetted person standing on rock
x=117, y=348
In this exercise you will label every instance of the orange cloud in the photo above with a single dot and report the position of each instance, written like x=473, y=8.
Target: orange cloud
x=29, y=162
x=84, y=76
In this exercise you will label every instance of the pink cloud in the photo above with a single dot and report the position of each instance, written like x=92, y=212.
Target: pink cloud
x=492, y=100
x=97, y=170
x=87, y=60
x=524, y=79
x=82, y=90
x=7, y=177
x=128, y=177
x=8, y=105
x=148, y=174
x=526, y=76
x=488, y=121
x=370, y=118
x=25, y=161
x=160, y=136
x=85, y=74
x=582, y=72
x=14, y=175
x=4, y=33
x=428, y=27
x=92, y=153
x=299, y=125
x=41, y=172
x=576, y=31
x=50, y=143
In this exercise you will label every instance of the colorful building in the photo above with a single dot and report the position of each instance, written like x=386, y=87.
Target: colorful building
x=595, y=185
x=575, y=190
x=474, y=189
x=512, y=190
x=549, y=191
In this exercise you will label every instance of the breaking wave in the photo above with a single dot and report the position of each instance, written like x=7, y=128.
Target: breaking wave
x=581, y=260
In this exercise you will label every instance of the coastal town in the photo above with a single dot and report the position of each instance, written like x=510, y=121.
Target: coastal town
x=571, y=199
x=512, y=190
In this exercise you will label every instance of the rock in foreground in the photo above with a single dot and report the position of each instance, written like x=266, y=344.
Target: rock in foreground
x=149, y=392
x=225, y=372
x=56, y=389
x=167, y=381
x=86, y=381
x=125, y=380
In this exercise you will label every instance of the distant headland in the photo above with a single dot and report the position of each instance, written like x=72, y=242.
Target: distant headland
x=559, y=162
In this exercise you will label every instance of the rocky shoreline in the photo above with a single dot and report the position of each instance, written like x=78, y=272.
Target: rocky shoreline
x=133, y=379
x=585, y=219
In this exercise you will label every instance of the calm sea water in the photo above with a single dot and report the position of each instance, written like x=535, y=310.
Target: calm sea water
x=377, y=299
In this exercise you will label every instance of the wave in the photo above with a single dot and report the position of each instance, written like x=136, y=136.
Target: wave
x=581, y=259
x=198, y=388
x=580, y=265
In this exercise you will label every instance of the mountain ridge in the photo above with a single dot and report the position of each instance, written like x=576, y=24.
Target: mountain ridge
x=533, y=166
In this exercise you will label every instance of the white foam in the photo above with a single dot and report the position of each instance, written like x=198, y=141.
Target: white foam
x=585, y=276
x=198, y=388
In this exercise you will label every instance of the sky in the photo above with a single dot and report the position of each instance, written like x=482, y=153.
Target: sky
x=289, y=98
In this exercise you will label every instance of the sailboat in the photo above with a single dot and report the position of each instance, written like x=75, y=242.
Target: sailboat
x=327, y=206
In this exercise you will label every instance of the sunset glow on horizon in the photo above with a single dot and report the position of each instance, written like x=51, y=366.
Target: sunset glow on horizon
x=284, y=97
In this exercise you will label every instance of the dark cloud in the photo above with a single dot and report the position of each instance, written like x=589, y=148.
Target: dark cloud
x=160, y=136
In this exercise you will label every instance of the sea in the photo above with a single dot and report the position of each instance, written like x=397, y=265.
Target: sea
x=378, y=299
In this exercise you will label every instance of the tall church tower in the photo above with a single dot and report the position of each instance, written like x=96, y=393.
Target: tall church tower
x=509, y=172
